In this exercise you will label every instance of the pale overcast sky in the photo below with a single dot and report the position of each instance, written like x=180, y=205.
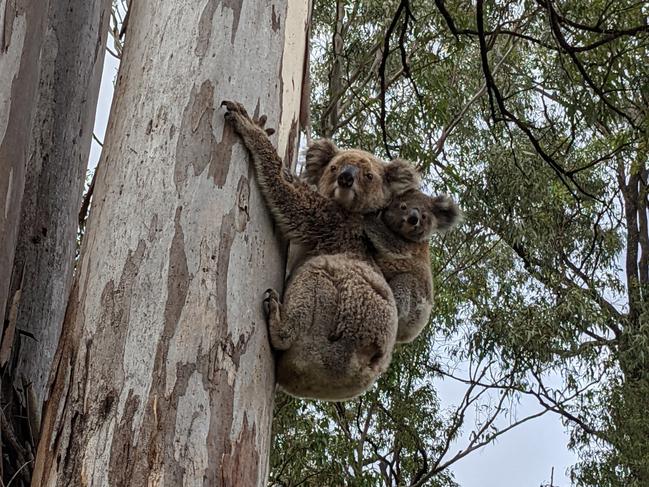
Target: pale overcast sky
x=523, y=457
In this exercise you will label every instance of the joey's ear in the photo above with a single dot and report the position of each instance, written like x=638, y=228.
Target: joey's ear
x=446, y=212
x=401, y=176
x=318, y=155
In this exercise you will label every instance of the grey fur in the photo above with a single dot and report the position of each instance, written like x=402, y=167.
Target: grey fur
x=403, y=255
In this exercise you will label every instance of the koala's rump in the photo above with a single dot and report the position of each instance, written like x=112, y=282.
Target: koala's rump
x=344, y=318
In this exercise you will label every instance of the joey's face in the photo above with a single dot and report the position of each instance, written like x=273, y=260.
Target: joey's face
x=354, y=179
x=416, y=216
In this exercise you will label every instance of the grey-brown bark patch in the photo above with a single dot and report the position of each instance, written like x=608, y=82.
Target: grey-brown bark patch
x=153, y=228
x=220, y=164
x=275, y=18
x=99, y=396
x=290, y=145
x=158, y=423
x=178, y=277
x=243, y=198
x=226, y=238
x=114, y=315
x=215, y=380
x=280, y=90
x=235, y=6
x=121, y=465
x=221, y=409
x=196, y=145
x=205, y=29
x=8, y=27
x=239, y=464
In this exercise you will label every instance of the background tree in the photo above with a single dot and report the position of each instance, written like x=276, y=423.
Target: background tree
x=164, y=374
x=534, y=115
x=50, y=107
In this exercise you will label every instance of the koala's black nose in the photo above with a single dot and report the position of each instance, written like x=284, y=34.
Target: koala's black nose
x=413, y=218
x=346, y=176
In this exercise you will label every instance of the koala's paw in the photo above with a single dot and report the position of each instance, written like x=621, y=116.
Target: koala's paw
x=281, y=335
x=271, y=305
x=237, y=115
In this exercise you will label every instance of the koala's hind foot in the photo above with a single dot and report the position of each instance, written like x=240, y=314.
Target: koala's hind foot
x=238, y=116
x=280, y=336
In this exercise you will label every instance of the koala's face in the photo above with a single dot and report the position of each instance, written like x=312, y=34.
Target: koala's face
x=354, y=179
x=416, y=216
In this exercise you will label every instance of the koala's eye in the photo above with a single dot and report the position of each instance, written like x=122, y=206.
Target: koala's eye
x=403, y=206
x=369, y=176
x=423, y=216
x=333, y=168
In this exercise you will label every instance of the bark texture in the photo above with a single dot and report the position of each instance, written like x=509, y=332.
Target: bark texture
x=70, y=73
x=164, y=374
x=22, y=30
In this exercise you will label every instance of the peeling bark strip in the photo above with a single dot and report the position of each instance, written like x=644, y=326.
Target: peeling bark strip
x=164, y=375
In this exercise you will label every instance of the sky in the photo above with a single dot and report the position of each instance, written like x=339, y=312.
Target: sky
x=522, y=457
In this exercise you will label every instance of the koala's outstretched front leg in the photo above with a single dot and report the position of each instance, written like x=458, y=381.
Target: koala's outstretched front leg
x=281, y=336
x=300, y=212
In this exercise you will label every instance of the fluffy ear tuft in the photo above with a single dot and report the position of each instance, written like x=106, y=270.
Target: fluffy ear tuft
x=318, y=155
x=401, y=176
x=446, y=212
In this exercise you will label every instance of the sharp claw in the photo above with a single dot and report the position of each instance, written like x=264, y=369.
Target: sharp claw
x=270, y=131
x=262, y=120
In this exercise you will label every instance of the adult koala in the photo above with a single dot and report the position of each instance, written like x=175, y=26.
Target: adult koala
x=336, y=328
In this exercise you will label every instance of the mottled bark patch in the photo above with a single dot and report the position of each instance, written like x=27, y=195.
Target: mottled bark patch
x=275, y=20
x=7, y=28
x=205, y=29
x=205, y=24
x=226, y=238
x=121, y=465
x=196, y=143
x=155, y=458
x=220, y=164
x=235, y=6
x=196, y=146
x=177, y=278
x=153, y=228
x=243, y=453
x=243, y=198
x=218, y=381
x=290, y=146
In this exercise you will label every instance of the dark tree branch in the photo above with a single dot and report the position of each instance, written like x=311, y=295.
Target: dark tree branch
x=494, y=94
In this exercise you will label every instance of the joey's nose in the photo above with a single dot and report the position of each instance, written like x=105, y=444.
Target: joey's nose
x=413, y=218
x=346, y=177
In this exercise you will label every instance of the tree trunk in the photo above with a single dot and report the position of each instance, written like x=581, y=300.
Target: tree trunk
x=22, y=29
x=164, y=374
x=70, y=73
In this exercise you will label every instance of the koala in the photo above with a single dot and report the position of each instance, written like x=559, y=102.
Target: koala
x=336, y=327
x=400, y=236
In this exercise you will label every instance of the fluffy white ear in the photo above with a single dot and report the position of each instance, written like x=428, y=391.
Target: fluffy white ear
x=318, y=156
x=446, y=212
x=401, y=176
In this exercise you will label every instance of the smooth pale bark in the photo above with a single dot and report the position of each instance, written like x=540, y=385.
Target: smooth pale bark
x=70, y=74
x=22, y=30
x=164, y=374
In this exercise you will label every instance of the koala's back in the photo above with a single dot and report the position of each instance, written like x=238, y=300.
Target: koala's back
x=406, y=257
x=341, y=349
x=406, y=267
